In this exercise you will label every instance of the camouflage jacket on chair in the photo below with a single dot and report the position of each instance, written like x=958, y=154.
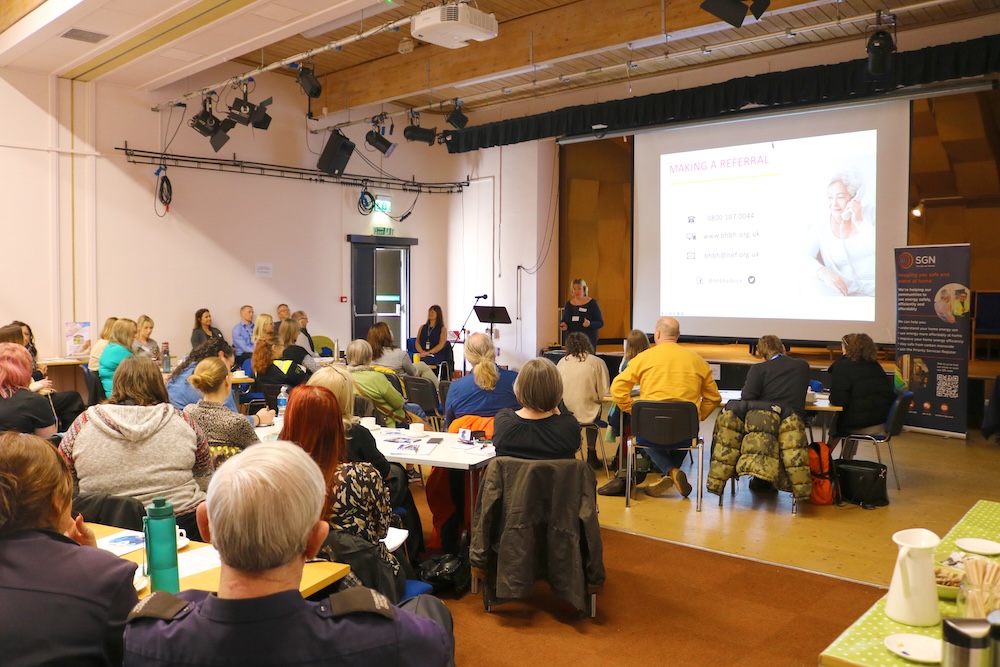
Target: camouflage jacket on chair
x=753, y=438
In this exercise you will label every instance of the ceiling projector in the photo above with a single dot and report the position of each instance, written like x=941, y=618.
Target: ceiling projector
x=453, y=25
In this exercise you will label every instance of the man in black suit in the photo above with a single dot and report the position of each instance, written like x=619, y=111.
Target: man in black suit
x=778, y=379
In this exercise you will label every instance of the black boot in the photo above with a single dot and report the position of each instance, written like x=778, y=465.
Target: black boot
x=593, y=461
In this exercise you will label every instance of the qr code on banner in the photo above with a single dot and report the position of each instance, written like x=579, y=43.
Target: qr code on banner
x=947, y=386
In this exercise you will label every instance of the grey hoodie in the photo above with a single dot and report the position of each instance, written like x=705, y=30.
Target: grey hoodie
x=139, y=451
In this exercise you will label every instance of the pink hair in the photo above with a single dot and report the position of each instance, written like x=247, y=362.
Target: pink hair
x=15, y=368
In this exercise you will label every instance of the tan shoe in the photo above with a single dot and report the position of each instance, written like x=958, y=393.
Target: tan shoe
x=681, y=481
x=659, y=487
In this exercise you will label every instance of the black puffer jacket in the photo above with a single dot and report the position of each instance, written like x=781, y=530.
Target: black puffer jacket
x=864, y=390
x=754, y=438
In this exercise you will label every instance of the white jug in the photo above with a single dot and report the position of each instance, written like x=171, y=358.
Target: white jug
x=912, y=596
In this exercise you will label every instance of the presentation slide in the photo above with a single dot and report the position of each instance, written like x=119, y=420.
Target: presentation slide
x=773, y=225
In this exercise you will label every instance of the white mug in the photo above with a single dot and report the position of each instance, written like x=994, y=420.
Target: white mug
x=368, y=422
x=181, y=533
x=417, y=429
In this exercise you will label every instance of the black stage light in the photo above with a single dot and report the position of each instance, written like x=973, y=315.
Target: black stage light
x=259, y=118
x=421, y=134
x=380, y=143
x=880, y=50
x=336, y=153
x=732, y=12
x=758, y=7
x=309, y=83
x=457, y=119
x=241, y=110
x=206, y=124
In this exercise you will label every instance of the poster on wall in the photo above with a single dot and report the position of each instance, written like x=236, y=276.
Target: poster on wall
x=932, y=334
x=77, y=339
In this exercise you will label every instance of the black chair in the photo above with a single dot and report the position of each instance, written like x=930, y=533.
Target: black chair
x=893, y=426
x=665, y=423
x=363, y=407
x=396, y=384
x=271, y=392
x=95, y=390
x=443, y=387
x=118, y=511
x=422, y=392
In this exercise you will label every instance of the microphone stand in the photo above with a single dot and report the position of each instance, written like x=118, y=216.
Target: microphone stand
x=465, y=333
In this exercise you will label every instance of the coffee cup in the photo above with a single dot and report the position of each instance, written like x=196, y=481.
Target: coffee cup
x=417, y=429
x=368, y=422
x=181, y=534
x=239, y=374
x=810, y=396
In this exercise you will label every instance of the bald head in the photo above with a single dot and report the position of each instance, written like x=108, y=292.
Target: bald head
x=667, y=330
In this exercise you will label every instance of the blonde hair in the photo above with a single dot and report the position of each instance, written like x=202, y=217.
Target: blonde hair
x=123, y=332
x=209, y=375
x=582, y=283
x=636, y=342
x=144, y=320
x=263, y=327
x=482, y=355
x=341, y=383
x=288, y=332
x=539, y=385
x=106, y=330
x=358, y=353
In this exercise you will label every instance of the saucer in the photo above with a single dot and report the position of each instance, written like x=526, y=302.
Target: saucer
x=182, y=542
x=978, y=546
x=917, y=648
x=139, y=580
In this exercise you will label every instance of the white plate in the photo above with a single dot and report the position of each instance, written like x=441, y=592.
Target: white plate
x=978, y=546
x=182, y=542
x=915, y=647
x=139, y=580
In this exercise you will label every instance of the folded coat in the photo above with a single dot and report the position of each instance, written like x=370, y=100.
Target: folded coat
x=763, y=440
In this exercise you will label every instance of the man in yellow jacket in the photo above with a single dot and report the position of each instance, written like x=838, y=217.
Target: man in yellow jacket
x=668, y=372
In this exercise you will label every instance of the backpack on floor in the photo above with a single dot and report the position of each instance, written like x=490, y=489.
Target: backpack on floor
x=825, y=490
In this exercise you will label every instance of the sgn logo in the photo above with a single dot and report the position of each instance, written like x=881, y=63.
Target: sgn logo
x=925, y=260
x=905, y=260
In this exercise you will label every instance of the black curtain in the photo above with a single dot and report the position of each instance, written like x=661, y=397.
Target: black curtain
x=805, y=86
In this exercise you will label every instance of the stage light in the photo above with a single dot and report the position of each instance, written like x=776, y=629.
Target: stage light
x=311, y=86
x=206, y=124
x=732, y=12
x=457, y=119
x=758, y=7
x=918, y=210
x=380, y=143
x=244, y=112
x=421, y=134
x=259, y=118
x=880, y=49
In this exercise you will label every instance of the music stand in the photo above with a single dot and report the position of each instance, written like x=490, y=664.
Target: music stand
x=492, y=315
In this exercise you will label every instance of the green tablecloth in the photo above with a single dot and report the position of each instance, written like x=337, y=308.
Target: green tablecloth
x=862, y=643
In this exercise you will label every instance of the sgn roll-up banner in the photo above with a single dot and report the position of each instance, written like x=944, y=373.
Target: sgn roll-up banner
x=932, y=334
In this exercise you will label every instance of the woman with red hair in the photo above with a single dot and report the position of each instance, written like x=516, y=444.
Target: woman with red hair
x=357, y=499
x=22, y=410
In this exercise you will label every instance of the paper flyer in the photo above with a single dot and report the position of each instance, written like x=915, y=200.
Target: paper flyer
x=77, y=339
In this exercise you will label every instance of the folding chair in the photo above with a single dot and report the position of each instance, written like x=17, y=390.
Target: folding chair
x=422, y=392
x=665, y=423
x=893, y=426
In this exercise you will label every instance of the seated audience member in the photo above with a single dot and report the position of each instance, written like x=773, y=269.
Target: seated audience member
x=779, y=378
x=203, y=329
x=487, y=389
x=63, y=601
x=665, y=372
x=263, y=327
x=143, y=344
x=585, y=383
x=258, y=617
x=305, y=339
x=373, y=384
x=270, y=366
x=357, y=498
x=97, y=348
x=138, y=445
x=243, y=335
x=283, y=313
x=537, y=430
x=181, y=393
x=289, y=336
x=861, y=386
x=22, y=410
x=387, y=354
x=67, y=405
x=228, y=432
x=119, y=348
x=635, y=342
x=432, y=340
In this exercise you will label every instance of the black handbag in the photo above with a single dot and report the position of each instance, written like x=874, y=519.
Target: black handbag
x=862, y=483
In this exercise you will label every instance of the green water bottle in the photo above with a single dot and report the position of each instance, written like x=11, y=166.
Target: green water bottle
x=160, y=529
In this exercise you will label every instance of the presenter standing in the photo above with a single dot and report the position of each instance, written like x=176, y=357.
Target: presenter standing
x=581, y=313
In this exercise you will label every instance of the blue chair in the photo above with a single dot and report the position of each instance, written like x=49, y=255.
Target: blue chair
x=893, y=426
x=247, y=396
x=415, y=587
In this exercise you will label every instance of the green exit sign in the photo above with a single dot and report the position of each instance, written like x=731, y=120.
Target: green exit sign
x=384, y=231
x=383, y=203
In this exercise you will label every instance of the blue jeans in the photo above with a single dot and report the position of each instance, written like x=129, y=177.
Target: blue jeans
x=666, y=457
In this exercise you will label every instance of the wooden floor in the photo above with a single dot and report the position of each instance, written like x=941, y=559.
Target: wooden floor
x=941, y=479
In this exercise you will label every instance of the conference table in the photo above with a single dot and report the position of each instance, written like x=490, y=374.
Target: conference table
x=65, y=373
x=316, y=575
x=820, y=405
x=862, y=644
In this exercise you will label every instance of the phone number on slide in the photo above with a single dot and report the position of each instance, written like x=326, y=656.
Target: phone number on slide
x=728, y=216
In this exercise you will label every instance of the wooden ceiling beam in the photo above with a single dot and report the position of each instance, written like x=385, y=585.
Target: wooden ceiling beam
x=571, y=29
x=12, y=11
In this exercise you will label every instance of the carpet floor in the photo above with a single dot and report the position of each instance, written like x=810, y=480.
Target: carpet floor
x=665, y=604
